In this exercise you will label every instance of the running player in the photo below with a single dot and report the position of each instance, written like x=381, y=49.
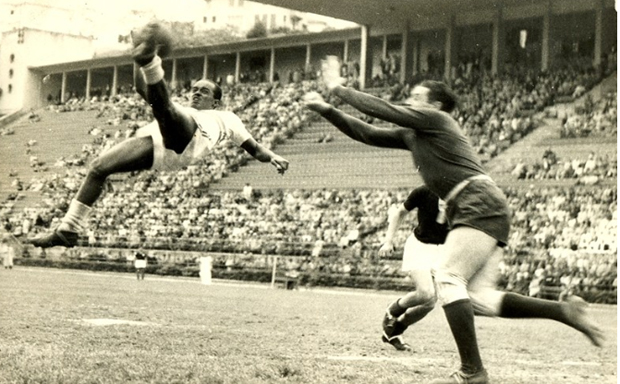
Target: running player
x=179, y=137
x=476, y=209
x=421, y=251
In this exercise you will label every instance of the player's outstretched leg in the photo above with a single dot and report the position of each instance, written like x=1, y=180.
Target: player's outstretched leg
x=151, y=43
x=130, y=155
x=571, y=312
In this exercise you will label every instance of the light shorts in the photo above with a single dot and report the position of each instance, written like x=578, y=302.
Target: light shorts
x=420, y=256
x=168, y=160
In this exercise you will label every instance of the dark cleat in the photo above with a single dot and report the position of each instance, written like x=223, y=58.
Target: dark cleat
x=575, y=309
x=397, y=342
x=391, y=326
x=459, y=377
x=388, y=324
x=56, y=238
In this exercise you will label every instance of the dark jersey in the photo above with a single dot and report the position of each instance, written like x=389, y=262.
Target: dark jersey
x=428, y=230
x=442, y=153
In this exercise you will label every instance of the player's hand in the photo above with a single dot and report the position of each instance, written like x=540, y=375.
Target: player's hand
x=315, y=102
x=330, y=72
x=280, y=163
x=386, y=249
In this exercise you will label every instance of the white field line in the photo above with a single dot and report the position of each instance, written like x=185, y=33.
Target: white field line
x=106, y=322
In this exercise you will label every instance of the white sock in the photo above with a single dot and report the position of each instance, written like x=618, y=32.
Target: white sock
x=75, y=217
x=153, y=71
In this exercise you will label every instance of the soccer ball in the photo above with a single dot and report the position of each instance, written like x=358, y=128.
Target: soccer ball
x=156, y=33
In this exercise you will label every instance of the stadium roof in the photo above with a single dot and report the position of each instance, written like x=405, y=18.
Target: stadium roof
x=387, y=12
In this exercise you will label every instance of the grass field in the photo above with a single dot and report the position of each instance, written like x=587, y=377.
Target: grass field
x=60, y=326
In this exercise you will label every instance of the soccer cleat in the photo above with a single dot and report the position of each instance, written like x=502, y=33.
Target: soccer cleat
x=397, y=342
x=391, y=326
x=56, y=238
x=575, y=309
x=388, y=324
x=459, y=377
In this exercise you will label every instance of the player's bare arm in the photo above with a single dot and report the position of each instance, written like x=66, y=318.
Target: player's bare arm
x=367, y=103
x=264, y=155
x=393, y=137
x=379, y=108
x=394, y=221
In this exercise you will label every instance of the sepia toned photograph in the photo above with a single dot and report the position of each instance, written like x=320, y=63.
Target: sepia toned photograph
x=308, y=192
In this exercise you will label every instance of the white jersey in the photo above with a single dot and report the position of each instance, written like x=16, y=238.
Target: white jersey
x=214, y=127
x=217, y=126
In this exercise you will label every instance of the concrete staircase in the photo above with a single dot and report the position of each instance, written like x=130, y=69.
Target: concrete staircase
x=56, y=135
x=339, y=163
x=344, y=163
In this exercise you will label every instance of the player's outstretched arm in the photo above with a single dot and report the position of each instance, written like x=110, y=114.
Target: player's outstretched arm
x=364, y=102
x=265, y=155
x=353, y=127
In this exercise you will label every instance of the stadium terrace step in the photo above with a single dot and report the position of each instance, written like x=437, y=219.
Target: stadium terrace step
x=55, y=135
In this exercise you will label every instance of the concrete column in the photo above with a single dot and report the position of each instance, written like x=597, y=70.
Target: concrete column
x=272, y=65
x=415, y=54
x=63, y=88
x=449, y=50
x=308, y=58
x=88, y=83
x=345, y=52
x=237, y=67
x=384, y=46
x=365, y=60
x=546, y=39
x=598, y=34
x=499, y=42
x=406, y=63
x=114, y=90
x=173, y=78
x=205, y=67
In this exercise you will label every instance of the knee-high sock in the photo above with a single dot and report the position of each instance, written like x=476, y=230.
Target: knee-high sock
x=414, y=314
x=91, y=188
x=518, y=306
x=460, y=316
x=76, y=217
x=396, y=309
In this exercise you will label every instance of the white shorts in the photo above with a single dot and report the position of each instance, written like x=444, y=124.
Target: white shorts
x=419, y=255
x=168, y=160
x=141, y=263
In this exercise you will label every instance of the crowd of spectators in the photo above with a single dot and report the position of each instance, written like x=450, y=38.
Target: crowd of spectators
x=176, y=211
x=557, y=231
x=592, y=119
x=589, y=170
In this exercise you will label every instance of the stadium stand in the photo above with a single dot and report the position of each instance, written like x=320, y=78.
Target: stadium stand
x=337, y=190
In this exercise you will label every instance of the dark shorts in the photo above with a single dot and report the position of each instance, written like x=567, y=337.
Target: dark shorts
x=483, y=206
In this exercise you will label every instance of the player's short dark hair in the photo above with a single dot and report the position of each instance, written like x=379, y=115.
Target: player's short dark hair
x=217, y=90
x=439, y=91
